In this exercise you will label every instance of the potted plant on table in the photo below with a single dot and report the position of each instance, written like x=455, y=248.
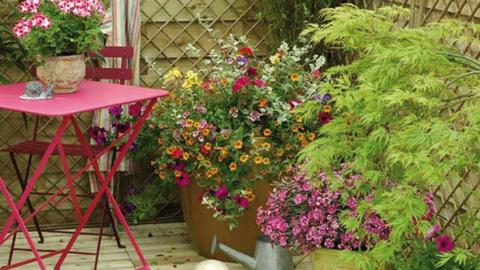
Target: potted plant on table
x=58, y=34
x=223, y=139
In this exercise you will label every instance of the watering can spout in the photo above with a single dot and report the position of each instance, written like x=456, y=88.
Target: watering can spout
x=238, y=256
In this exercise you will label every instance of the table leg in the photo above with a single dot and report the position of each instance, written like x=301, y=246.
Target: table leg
x=105, y=181
x=36, y=175
x=20, y=222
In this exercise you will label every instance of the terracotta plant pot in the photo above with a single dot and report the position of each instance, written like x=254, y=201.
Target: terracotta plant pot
x=66, y=72
x=203, y=226
x=329, y=259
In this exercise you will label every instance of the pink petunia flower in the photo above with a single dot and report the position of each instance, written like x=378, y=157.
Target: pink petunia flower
x=445, y=244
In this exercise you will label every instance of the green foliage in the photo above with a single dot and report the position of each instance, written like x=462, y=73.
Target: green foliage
x=287, y=18
x=12, y=53
x=406, y=115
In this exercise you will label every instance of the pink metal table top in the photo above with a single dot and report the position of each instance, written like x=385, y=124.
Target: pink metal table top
x=89, y=97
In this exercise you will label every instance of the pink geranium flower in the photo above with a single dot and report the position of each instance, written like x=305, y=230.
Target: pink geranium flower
x=22, y=28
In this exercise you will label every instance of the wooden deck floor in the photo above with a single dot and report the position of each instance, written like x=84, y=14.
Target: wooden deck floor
x=166, y=246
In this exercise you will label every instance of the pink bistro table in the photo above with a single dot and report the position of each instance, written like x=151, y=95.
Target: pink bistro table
x=90, y=96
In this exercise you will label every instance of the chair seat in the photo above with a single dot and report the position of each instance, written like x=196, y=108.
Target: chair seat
x=39, y=148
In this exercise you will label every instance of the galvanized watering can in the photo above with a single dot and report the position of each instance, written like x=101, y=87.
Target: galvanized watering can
x=267, y=255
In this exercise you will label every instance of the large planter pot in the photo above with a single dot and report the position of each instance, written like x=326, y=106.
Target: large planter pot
x=66, y=72
x=202, y=226
x=329, y=259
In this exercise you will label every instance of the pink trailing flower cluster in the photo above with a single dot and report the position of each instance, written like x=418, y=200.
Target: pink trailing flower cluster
x=81, y=8
x=303, y=217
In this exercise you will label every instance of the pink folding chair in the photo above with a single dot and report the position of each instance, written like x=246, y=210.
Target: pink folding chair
x=33, y=147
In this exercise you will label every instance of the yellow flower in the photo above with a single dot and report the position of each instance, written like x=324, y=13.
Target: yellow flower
x=172, y=75
x=163, y=166
x=191, y=80
x=206, y=132
x=238, y=144
x=258, y=160
x=233, y=166
x=208, y=174
x=266, y=161
x=190, y=142
x=267, y=132
x=178, y=173
x=327, y=108
x=186, y=156
x=190, y=122
x=311, y=136
x=298, y=118
x=162, y=175
x=200, y=157
x=196, y=125
x=214, y=171
x=244, y=158
x=250, y=197
x=279, y=153
x=294, y=77
x=224, y=82
x=300, y=136
x=161, y=141
x=295, y=129
x=266, y=145
x=274, y=59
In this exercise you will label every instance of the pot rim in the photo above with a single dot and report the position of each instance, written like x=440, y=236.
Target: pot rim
x=66, y=57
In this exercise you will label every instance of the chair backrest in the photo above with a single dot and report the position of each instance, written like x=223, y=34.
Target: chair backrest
x=121, y=74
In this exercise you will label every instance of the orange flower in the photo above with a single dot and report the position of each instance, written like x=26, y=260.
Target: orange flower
x=327, y=108
x=288, y=147
x=161, y=141
x=298, y=118
x=233, y=166
x=244, y=158
x=304, y=143
x=300, y=136
x=294, y=77
x=279, y=153
x=295, y=129
x=208, y=146
x=266, y=161
x=250, y=197
x=178, y=173
x=258, y=160
x=190, y=122
x=208, y=174
x=266, y=145
x=170, y=150
x=190, y=142
x=267, y=132
x=162, y=175
x=311, y=136
x=186, y=156
x=224, y=82
x=206, y=132
x=214, y=171
x=163, y=166
x=196, y=125
x=238, y=144
x=263, y=102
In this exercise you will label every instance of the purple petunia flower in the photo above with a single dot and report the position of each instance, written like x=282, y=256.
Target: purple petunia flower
x=115, y=110
x=241, y=201
x=183, y=180
x=135, y=110
x=221, y=193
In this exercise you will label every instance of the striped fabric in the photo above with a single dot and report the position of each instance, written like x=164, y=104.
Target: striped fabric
x=122, y=27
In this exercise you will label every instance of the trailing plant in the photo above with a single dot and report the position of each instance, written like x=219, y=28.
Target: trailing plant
x=406, y=117
x=235, y=127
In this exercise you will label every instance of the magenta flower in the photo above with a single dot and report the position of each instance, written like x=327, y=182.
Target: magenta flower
x=22, y=28
x=183, y=180
x=221, y=193
x=41, y=21
x=135, y=110
x=240, y=83
x=299, y=198
x=241, y=201
x=445, y=244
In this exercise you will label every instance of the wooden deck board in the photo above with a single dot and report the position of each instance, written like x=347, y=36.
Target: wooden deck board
x=166, y=246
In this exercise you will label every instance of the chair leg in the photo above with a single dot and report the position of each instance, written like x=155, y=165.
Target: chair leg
x=12, y=249
x=100, y=234
x=113, y=224
x=29, y=203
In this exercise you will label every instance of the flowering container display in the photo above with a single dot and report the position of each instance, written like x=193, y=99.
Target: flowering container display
x=57, y=34
x=220, y=136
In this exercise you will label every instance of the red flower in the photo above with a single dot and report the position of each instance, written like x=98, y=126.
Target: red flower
x=240, y=83
x=325, y=117
x=204, y=150
x=252, y=72
x=177, y=153
x=135, y=110
x=316, y=73
x=445, y=244
x=245, y=51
